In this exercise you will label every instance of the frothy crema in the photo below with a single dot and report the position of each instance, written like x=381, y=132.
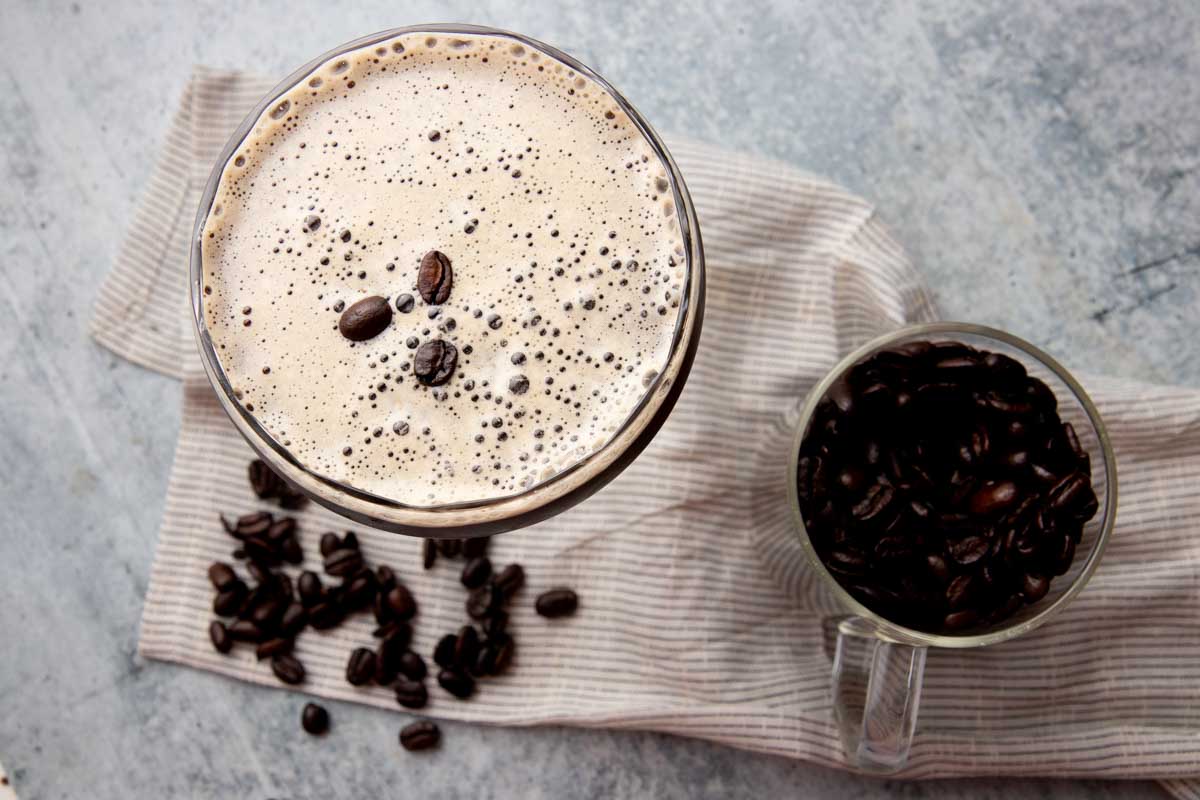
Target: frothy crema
x=554, y=211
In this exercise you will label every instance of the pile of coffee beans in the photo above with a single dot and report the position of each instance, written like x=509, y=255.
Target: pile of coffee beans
x=941, y=488
x=270, y=609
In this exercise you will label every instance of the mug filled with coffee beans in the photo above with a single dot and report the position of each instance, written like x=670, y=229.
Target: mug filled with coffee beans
x=952, y=486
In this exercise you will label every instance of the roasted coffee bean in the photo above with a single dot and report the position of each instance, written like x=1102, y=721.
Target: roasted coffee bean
x=350, y=541
x=992, y=496
x=959, y=592
x=411, y=694
x=428, y=553
x=325, y=615
x=1035, y=587
x=288, y=669
x=443, y=654
x=435, y=277
x=263, y=480
x=221, y=576
x=227, y=602
x=495, y=623
x=385, y=577
x=401, y=603
x=484, y=663
x=314, y=719
x=420, y=735
x=957, y=620
x=268, y=612
x=412, y=666
x=504, y=646
x=273, y=647
x=385, y=674
x=434, y=362
x=293, y=620
x=329, y=543
x=969, y=550
x=510, y=580
x=219, y=635
x=243, y=630
x=874, y=504
x=457, y=683
x=254, y=524
x=365, y=319
x=309, y=587
x=394, y=644
x=343, y=562
x=484, y=600
x=466, y=647
x=475, y=546
x=290, y=551
x=476, y=571
x=557, y=603
x=281, y=529
x=360, y=669
x=360, y=590
x=259, y=549
x=259, y=573
x=384, y=631
x=450, y=548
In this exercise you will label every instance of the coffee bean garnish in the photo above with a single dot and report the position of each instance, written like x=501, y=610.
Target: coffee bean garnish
x=434, y=362
x=557, y=603
x=365, y=319
x=420, y=735
x=288, y=669
x=940, y=486
x=435, y=277
x=314, y=719
x=405, y=303
x=360, y=669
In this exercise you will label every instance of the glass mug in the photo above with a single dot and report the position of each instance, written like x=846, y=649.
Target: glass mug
x=495, y=515
x=878, y=665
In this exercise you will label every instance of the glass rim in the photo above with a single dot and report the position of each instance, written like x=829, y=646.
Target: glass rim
x=884, y=627
x=563, y=489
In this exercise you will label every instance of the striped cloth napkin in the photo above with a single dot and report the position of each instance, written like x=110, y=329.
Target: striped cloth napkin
x=681, y=628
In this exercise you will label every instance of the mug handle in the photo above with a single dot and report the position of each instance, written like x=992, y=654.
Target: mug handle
x=876, y=695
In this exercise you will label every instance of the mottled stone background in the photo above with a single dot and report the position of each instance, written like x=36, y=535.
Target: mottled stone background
x=1039, y=160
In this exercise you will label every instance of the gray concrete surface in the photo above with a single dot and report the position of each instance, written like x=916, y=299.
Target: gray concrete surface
x=1039, y=160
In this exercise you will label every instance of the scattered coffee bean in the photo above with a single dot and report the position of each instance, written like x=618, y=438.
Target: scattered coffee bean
x=272, y=648
x=394, y=644
x=476, y=571
x=329, y=543
x=343, y=562
x=420, y=735
x=221, y=576
x=484, y=600
x=360, y=669
x=475, y=546
x=243, y=630
x=411, y=694
x=457, y=683
x=435, y=278
x=227, y=602
x=466, y=647
x=496, y=623
x=365, y=319
x=443, y=654
x=288, y=669
x=557, y=603
x=325, y=615
x=412, y=666
x=359, y=590
x=309, y=586
x=314, y=719
x=401, y=603
x=219, y=635
x=428, y=553
x=510, y=580
x=434, y=362
x=293, y=620
x=504, y=647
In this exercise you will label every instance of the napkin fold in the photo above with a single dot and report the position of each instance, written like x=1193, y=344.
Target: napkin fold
x=681, y=627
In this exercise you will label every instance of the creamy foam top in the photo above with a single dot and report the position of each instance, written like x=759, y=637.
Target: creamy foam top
x=558, y=220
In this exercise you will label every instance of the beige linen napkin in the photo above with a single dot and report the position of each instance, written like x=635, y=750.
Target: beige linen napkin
x=681, y=629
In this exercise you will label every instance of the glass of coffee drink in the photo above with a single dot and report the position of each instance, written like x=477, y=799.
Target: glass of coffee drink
x=952, y=486
x=446, y=280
